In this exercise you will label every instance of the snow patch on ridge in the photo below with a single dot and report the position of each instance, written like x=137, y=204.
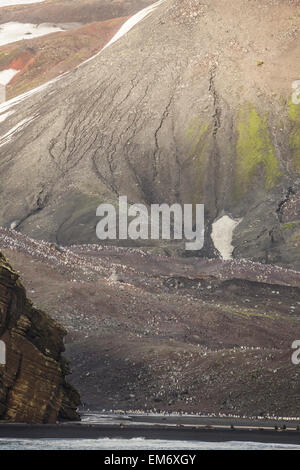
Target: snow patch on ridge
x=8, y=136
x=222, y=234
x=4, y=116
x=10, y=103
x=129, y=24
x=7, y=75
x=126, y=27
x=10, y=3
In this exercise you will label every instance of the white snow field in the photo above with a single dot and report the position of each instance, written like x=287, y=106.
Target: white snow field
x=10, y=3
x=12, y=32
x=222, y=233
x=7, y=75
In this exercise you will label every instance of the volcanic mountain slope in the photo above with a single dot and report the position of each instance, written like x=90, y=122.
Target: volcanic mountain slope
x=192, y=105
x=150, y=332
x=32, y=382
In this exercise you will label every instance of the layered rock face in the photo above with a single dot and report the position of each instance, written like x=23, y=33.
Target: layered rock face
x=32, y=380
x=193, y=105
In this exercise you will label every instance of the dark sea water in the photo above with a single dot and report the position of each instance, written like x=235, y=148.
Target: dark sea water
x=132, y=444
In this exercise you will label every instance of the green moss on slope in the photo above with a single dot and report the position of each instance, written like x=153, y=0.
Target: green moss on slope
x=254, y=152
x=291, y=225
x=294, y=113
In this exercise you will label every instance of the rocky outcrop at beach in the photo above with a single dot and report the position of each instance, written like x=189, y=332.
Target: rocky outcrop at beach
x=32, y=379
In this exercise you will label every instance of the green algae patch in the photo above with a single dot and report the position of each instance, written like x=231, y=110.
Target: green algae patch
x=251, y=314
x=294, y=113
x=291, y=225
x=296, y=238
x=254, y=152
x=197, y=144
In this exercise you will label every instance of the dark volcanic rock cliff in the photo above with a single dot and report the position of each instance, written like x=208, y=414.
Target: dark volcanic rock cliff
x=32, y=382
x=193, y=105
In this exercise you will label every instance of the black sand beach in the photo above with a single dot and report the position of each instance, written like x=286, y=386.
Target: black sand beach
x=163, y=428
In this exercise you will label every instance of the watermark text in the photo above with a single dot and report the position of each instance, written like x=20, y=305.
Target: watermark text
x=164, y=222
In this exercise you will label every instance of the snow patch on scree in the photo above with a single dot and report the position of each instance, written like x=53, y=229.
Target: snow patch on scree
x=222, y=234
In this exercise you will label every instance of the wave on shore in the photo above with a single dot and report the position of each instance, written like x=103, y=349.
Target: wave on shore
x=133, y=444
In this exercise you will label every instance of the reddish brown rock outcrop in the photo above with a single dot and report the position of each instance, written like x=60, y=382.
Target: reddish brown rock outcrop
x=32, y=382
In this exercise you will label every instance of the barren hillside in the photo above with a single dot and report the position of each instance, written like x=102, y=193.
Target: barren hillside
x=192, y=105
x=166, y=333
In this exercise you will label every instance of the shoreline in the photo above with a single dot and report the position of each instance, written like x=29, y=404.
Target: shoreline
x=160, y=427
